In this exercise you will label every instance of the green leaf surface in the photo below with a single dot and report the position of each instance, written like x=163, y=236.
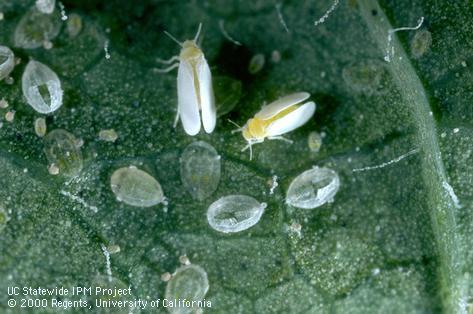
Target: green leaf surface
x=396, y=239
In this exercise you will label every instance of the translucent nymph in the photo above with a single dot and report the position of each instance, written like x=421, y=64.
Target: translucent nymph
x=7, y=62
x=313, y=188
x=41, y=87
x=234, y=213
x=36, y=28
x=61, y=150
x=200, y=169
x=136, y=187
x=187, y=283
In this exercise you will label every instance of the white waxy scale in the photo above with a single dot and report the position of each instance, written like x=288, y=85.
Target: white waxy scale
x=45, y=6
x=313, y=188
x=234, y=213
x=200, y=169
x=136, y=187
x=35, y=28
x=188, y=282
x=41, y=87
x=40, y=127
x=62, y=152
x=7, y=62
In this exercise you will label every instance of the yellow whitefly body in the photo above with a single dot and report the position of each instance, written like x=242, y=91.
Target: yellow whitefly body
x=255, y=128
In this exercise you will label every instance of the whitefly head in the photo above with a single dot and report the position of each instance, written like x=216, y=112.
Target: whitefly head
x=190, y=50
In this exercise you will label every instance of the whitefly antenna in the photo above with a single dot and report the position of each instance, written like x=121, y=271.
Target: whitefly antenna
x=173, y=38
x=198, y=32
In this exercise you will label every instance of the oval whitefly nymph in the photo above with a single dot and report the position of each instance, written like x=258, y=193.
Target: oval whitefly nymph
x=313, y=188
x=136, y=187
x=200, y=169
x=234, y=213
x=36, y=28
x=41, y=87
x=189, y=283
x=7, y=62
x=62, y=152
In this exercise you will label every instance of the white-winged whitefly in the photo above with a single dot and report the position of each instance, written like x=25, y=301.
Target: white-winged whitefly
x=136, y=187
x=279, y=117
x=200, y=169
x=189, y=283
x=234, y=213
x=313, y=188
x=7, y=62
x=41, y=87
x=195, y=93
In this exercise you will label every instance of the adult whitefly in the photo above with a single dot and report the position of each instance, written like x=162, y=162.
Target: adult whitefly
x=136, y=187
x=45, y=6
x=35, y=28
x=7, y=62
x=234, y=213
x=41, y=87
x=187, y=283
x=313, y=188
x=62, y=153
x=200, y=169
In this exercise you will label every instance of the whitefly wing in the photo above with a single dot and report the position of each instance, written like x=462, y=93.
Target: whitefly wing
x=207, y=99
x=187, y=99
x=282, y=103
x=292, y=120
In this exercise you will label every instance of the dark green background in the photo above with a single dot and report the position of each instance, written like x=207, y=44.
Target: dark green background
x=391, y=242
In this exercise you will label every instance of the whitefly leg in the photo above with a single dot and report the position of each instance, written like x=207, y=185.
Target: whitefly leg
x=166, y=70
x=176, y=120
x=168, y=61
x=239, y=128
x=281, y=138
